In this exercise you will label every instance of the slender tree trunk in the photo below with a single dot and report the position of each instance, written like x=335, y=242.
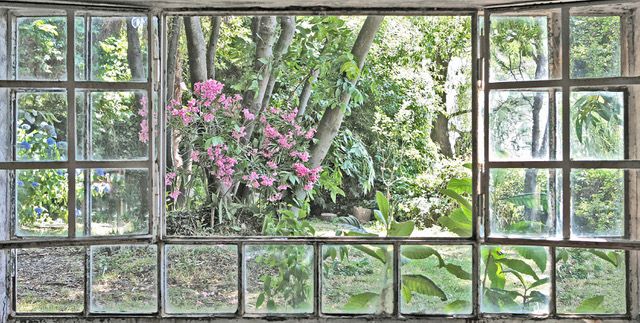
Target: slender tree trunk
x=440, y=125
x=264, y=53
x=216, y=21
x=331, y=121
x=196, y=49
x=172, y=76
x=287, y=30
x=305, y=94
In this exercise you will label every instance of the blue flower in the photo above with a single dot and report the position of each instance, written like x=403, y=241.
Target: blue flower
x=60, y=172
x=25, y=145
x=39, y=210
x=35, y=184
x=20, y=183
x=100, y=172
x=51, y=141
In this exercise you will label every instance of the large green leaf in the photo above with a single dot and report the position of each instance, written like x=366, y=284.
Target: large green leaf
x=458, y=222
x=530, y=200
x=375, y=252
x=539, y=282
x=590, y=305
x=519, y=266
x=400, y=229
x=461, y=200
x=537, y=254
x=457, y=271
x=611, y=257
x=360, y=301
x=423, y=285
x=460, y=185
x=420, y=252
x=495, y=273
x=383, y=206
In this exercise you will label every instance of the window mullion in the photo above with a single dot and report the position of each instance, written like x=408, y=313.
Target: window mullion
x=71, y=125
x=566, y=124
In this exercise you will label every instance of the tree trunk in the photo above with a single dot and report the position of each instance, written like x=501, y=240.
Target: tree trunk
x=440, y=124
x=332, y=118
x=287, y=29
x=305, y=94
x=196, y=49
x=216, y=21
x=264, y=53
x=172, y=76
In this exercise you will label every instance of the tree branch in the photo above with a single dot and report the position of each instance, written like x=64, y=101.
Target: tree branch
x=216, y=21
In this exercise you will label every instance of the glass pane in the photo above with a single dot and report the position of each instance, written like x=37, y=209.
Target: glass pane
x=41, y=202
x=50, y=280
x=119, y=49
x=519, y=48
x=597, y=202
x=202, y=279
x=597, y=125
x=123, y=279
x=113, y=130
x=525, y=202
x=515, y=280
x=436, y=279
x=357, y=279
x=80, y=48
x=42, y=48
x=595, y=46
x=41, y=130
x=591, y=281
x=117, y=200
x=279, y=278
x=525, y=125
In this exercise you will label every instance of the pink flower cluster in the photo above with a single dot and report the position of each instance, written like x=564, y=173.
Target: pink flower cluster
x=225, y=165
x=270, y=154
x=143, y=134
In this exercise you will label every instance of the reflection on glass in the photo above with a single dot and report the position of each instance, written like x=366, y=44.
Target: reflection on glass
x=590, y=281
x=41, y=48
x=50, y=280
x=117, y=126
x=597, y=125
x=279, y=278
x=357, y=279
x=523, y=125
x=519, y=48
x=116, y=199
x=515, y=280
x=436, y=279
x=41, y=202
x=119, y=49
x=41, y=129
x=597, y=202
x=123, y=279
x=595, y=46
x=525, y=202
x=202, y=279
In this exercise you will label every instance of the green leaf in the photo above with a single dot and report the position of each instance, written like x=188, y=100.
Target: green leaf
x=457, y=271
x=457, y=306
x=407, y=296
x=539, y=282
x=538, y=297
x=383, y=206
x=537, y=254
x=519, y=266
x=214, y=141
x=420, y=252
x=458, y=222
x=462, y=201
x=260, y=300
x=360, y=301
x=378, y=215
x=611, y=257
x=375, y=252
x=460, y=185
x=423, y=285
x=563, y=255
x=590, y=305
x=400, y=229
x=494, y=271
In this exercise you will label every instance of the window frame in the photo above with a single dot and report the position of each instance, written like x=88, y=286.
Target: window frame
x=156, y=166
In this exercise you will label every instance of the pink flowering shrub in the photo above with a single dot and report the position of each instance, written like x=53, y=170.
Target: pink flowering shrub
x=216, y=128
